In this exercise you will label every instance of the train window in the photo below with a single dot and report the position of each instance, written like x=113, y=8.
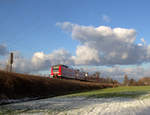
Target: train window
x=65, y=66
x=55, y=68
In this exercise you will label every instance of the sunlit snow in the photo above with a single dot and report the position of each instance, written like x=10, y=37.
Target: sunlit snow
x=80, y=106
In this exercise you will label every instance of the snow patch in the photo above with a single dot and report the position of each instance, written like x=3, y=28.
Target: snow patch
x=81, y=106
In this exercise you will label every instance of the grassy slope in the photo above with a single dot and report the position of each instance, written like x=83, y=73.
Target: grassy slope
x=131, y=91
x=14, y=85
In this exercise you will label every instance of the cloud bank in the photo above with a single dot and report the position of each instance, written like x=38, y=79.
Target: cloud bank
x=104, y=45
x=98, y=46
x=41, y=61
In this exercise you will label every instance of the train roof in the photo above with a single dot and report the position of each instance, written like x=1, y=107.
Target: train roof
x=61, y=65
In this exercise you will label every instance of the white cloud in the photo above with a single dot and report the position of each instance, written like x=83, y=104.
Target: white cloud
x=112, y=46
x=143, y=40
x=106, y=18
x=41, y=61
x=139, y=44
x=21, y=64
x=61, y=56
x=85, y=54
x=3, y=50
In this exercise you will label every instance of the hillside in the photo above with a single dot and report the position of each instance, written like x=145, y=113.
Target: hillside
x=15, y=86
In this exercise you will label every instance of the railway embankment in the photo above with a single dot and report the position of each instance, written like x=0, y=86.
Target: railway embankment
x=22, y=86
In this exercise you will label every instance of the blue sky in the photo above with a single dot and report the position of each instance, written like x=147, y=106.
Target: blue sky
x=29, y=26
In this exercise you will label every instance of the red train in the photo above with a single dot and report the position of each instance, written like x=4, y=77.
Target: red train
x=63, y=71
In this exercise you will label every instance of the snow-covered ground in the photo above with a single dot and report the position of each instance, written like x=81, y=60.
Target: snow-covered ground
x=80, y=106
x=6, y=101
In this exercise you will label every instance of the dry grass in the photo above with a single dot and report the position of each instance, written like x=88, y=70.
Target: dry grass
x=14, y=86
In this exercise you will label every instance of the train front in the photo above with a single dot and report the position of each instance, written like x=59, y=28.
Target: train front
x=56, y=71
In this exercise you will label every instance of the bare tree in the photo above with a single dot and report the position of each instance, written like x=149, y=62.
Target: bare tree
x=97, y=74
x=126, y=80
x=132, y=82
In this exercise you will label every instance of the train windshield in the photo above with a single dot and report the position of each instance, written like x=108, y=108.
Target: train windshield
x=55, y=68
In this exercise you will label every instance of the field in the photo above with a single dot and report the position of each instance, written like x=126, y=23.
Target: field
x=124, y=91
x=88, y=103
x=16, y=86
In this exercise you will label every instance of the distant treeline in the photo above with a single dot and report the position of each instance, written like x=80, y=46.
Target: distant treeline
x=144, y=81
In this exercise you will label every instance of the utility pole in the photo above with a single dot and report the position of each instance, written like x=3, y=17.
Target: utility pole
x=11, y=61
